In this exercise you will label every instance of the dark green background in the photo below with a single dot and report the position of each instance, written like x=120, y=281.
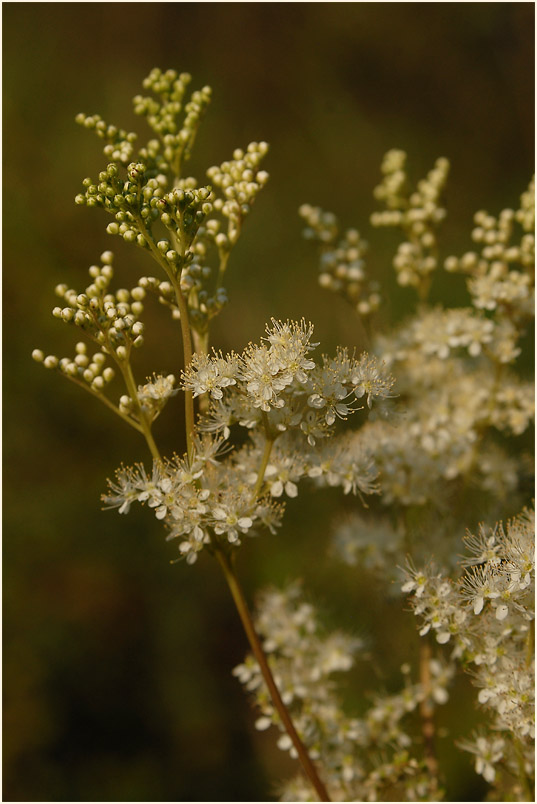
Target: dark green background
x=116, y=663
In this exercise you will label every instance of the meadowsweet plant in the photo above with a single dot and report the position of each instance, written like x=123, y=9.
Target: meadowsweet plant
x=261, y=422
x=290, y=402
x=463, y=402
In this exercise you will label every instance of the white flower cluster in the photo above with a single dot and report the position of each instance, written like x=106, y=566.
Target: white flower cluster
x=417, y=212
x=151, y=397
x=197, y=502
x=286, y=401
x=276, y=383
x=487, y=615
x=372, y=544
x=362, y=758
x=452, y=402
x=454, y=364
x=342, y=266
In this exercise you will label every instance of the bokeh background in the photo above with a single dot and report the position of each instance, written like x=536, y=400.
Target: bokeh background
x=117, y=681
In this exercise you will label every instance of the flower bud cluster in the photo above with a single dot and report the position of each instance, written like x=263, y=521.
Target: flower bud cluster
x=182, y=211
x=110, y=319
x=162, y=115
x=342, y=265
x=119, y=143
x=502, y=276
x=131, y=201
x=416, y=212
x=90, y=370
x=361, y=757
x=487, y=615
x=142, y=200
x=239, y=181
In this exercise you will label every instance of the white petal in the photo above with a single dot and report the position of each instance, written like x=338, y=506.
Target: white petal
x=478, y=604
x=277, y=489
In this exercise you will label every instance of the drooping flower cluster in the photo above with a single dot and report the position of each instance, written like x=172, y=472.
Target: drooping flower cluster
x=362, y=758
x=487, y=616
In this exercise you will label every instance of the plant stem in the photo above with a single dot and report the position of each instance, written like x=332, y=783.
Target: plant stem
x=201, y=347
x=102, y=398
x=187, y=354
x=144, y=424
x=264, y=461
x=185, y=332
x=427, y=713
x=255, y=644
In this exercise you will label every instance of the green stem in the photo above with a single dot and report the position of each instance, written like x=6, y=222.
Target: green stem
x=255, y=644
x=186, y=336
x=201, y=347
x=224, y=257
x=133, y=393
x=105, y=401
x=187, y=355
x=264, y=461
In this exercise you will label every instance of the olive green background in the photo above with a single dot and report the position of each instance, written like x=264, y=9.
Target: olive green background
x=117, y=682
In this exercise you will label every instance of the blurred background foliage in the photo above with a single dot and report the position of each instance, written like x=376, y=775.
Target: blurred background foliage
x=117, y=681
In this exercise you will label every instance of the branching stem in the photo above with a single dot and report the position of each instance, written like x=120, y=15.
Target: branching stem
x=144, y=423
x=106, y=402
